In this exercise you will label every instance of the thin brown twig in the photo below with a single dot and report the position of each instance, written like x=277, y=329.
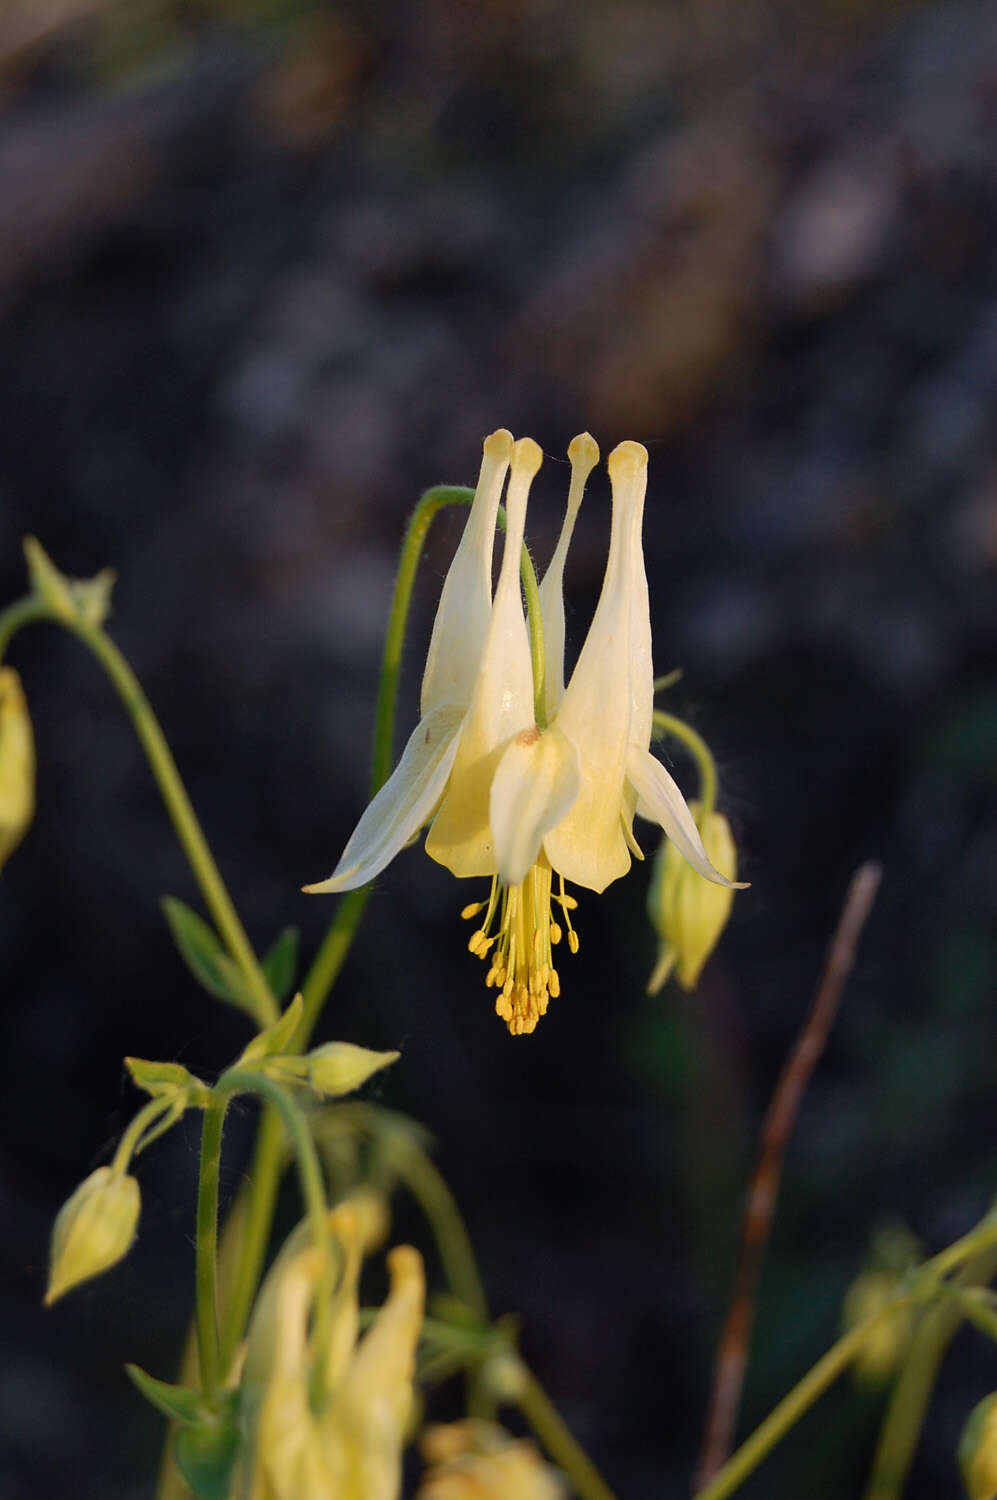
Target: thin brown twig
x=732, y=1353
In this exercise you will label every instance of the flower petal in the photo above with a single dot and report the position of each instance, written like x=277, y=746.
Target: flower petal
x=534, y=787
x=583, y=452
x=460, y=837
x=463, y=613
x=589, y=846
x=660, y=797
x=405, y=802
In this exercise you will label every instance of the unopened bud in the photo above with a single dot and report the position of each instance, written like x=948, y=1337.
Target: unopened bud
x=340, y=1067
x=978, y=1450
x=886, y=1343
x=17, y=764
x=687, y=912
x=93, y=1230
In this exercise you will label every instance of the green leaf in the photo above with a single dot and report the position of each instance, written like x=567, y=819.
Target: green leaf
x=47, y=581
x=160, y=1079
x=281, y=963
x=208, y=1440
x=276, y=1037
x=178, y=1402
x=205, y=1455
x=202, y=952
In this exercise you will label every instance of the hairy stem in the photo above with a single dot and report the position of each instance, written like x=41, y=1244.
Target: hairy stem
x=206, y=1246
x=697, y=747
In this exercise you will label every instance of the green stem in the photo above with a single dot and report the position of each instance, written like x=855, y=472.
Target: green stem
x=976, y=1310
x=23, y=612
x=430, y=1190
x=184, y=818
x=206, y=1246
x=700, y=752
x=328, y=961
x=559, y=1441
x=431, y=502
x=132, y=1135
x=243, y=1080
x=901, y=1430
x=173, y=791
x=792, y=1407
x=262, y=1182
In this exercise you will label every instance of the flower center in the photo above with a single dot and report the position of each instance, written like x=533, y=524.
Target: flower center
x=517, y=933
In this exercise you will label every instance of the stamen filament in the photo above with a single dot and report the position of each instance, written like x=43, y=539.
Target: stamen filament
x=521, y=968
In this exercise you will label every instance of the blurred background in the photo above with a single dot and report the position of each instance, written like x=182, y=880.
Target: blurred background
x=267, y=270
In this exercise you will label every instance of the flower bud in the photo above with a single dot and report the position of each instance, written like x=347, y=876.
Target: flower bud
x=340, y=1067
x=687, y=912
x=884, y=1347
x=978, y=1450
x=479, y=1461
x=17, y=764
x=93, y=1230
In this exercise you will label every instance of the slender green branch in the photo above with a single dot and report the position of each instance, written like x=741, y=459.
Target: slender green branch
x=559, y=1441
x=792, y=1407
x=22, y=612
x=173, y=791
x=243, y=1080
x=901, y=1430
x=430, y=1190
x=130, y=1139
x=700, y=752
x=183, y=816
x=262, y=1182
x=429, y=505
x=206, y=1246
x=328, y=961
x=975, y=1307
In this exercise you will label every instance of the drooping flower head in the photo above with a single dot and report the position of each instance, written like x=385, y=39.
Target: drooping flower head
x=351, y=1446
x=504, y=795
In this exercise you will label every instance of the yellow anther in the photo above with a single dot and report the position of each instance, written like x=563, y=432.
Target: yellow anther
x=518, y=922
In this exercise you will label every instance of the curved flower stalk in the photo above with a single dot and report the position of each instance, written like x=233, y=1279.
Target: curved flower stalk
x=511, y=799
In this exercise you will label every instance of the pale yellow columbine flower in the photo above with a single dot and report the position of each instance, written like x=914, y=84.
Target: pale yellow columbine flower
x=512, y=799
x=351, y=1448
x=480, y=1461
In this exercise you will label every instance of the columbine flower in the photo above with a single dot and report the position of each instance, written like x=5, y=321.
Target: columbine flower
x=351, y=1447
x=511, y=799
x=480, y=1461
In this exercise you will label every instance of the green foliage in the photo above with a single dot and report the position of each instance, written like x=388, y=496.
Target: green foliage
x=202, y=952
x=281, y=963
x=208, y=1439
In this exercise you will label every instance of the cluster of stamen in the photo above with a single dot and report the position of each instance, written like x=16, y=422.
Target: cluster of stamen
x=517, y=935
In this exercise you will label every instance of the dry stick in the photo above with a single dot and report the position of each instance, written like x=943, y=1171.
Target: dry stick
x=732, y=1354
